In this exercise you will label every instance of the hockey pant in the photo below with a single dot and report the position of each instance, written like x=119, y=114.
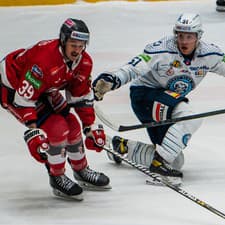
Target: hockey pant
x=174, y=141
x=158, y=104
x=64, y=134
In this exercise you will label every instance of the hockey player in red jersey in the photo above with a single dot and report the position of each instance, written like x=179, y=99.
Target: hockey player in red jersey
x=33, y=83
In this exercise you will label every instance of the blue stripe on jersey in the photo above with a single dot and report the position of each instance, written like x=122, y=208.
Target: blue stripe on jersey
x=157, y=52
x=211, y=53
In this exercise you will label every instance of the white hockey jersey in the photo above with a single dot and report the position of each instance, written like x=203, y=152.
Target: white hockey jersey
x=161, y=65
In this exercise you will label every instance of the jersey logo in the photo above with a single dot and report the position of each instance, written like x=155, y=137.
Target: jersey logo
x=200, y=71
x=36, y=71
x=32, y=80
x=170, y=72
x=181, y=84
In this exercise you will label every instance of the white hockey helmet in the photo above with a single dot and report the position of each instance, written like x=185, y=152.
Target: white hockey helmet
x=189, y=22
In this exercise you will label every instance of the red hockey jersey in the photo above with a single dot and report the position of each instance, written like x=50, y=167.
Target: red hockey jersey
x=42, y=69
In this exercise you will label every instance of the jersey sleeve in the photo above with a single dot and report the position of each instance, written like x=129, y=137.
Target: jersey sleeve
x=218, y=61
x=141, y=64
x=79, y=94
x=29, y=83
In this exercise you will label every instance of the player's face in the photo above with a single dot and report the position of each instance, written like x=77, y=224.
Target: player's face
x=186, y=42
x=74, y=48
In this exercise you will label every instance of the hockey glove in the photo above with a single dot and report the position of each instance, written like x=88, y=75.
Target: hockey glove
x=105, y=83
x=37, y=143
x=95, y=138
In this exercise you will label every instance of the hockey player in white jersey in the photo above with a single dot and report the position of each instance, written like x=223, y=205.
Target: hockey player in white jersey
x=163, y=75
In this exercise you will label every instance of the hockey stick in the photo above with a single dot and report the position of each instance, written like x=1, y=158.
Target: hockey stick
x=122, y=128
x=166, y=183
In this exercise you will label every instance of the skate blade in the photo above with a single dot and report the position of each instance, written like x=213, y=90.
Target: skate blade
x=90, y=187
x=175, y=181
x=220, y=8
x=59, y=194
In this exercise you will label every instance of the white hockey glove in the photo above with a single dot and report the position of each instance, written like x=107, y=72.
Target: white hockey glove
x=104, y=83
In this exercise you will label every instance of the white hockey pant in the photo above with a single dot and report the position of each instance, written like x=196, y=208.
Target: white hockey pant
x=178, y=135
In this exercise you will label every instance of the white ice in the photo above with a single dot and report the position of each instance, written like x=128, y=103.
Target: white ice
x=119, y=31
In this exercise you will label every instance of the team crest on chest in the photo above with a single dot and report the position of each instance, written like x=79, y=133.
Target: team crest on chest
x=181, y=84
x=35, y=70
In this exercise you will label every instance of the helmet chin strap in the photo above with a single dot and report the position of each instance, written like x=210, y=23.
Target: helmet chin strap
x=62, y=50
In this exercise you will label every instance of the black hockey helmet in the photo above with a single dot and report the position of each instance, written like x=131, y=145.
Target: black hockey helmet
x=74, y=29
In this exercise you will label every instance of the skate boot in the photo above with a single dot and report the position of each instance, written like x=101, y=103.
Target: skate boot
x=220, y=5
x=65, y=187
x=119, y=145
x=159, y=166
x=92, y=180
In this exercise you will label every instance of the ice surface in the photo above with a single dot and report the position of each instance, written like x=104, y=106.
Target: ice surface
x=119, y=30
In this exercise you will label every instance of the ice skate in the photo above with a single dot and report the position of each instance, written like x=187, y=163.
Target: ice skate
x=64, y=187
x=119, y=145
x=220, y=5
x=160, y=167
x=92, y=180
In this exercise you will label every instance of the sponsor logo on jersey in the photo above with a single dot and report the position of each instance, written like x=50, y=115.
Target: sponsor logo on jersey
x=32, y=80
x=36, y=71
x=200, y=73
x=170, y=72
x=199, y=70
x=176, y=64
x=185, y=71
x=145, y=57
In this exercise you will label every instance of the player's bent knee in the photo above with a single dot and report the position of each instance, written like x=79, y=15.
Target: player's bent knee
x=57, y=129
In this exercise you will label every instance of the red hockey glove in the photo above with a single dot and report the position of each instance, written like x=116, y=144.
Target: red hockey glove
x=95, y=138
x=37, y=143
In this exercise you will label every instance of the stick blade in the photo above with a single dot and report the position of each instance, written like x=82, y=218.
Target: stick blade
x=105, y=119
